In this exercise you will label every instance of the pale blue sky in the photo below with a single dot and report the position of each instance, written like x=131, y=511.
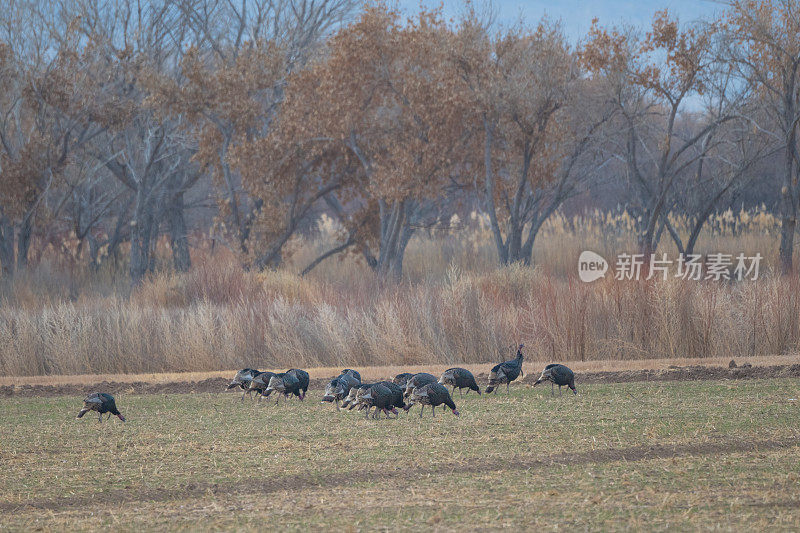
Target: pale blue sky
x=577, y=15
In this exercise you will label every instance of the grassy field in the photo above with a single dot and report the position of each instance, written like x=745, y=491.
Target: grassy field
x=691, y=455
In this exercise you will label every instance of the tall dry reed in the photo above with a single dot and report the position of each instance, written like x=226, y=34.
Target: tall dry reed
x=454, y=305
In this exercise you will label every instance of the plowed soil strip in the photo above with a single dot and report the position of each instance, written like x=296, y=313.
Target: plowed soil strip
x=685, y=373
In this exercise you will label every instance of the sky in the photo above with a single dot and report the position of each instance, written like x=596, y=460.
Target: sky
x=577, y=15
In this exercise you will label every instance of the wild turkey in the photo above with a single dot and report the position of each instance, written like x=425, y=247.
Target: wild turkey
x=432, y=394
x=460, y=378
x=397, y=393
x=381, y=398
x=418, y=380
x=506, y=372
x=557, y=375
x=339, y=387
x=402, y=379
x=351, y=401
x=352, y=372
x=101, y=402
x=242, y=380
x=285, y=383
x=302, y=377
x=259, y=384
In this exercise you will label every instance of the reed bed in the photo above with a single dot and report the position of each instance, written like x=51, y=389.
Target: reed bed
x=455, y=305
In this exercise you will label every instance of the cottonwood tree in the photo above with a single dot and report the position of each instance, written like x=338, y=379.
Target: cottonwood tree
x=232, y=81
x=656, y=82
x=149, y=155
x=764, y=45
x=395, y=104
x=373, y=129
x=36, y=140
x=539, y=122
x=732, y=159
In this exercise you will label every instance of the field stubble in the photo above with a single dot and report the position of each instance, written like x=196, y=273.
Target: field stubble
x=688, y=455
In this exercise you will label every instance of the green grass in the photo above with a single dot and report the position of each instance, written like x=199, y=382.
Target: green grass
x=656, y=456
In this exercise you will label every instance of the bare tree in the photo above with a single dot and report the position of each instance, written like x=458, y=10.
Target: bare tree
x=539, y=119
x=234, y=79
x=764, y=45
x=656, y=82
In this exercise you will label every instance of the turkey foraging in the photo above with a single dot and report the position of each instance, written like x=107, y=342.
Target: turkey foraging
x=559, y=375
x=402, y=379
x=101, y=402
x=259, y=384
x=283, y=383
x=242, y=380
x=352, y=372
x=506, y=372
x=397, y=393
x=418, y=380
x=460, y=378
x=351, y=401
x=432, y=394
x=381, y=398
x=339, y=387
x=302, y=378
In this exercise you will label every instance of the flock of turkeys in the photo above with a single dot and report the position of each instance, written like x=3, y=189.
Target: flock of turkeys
x=347, y=391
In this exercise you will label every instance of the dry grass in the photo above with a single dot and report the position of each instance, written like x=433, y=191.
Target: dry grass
x=454, y=307
x=278, y=320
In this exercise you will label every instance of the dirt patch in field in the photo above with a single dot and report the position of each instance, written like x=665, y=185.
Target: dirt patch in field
x=137, y=387
x=691, y=373
x=401, y=474
x=684, y=373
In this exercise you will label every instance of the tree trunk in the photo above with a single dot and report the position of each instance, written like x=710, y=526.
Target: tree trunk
x=179, y=241
x=141, y=226
x=788, y=213
x=400, y=252
x=502, y=248
x=527, y=249
x=24, y=241
x=6, y=247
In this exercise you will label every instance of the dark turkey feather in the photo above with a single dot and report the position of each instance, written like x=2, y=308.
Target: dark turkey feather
x=102, y=403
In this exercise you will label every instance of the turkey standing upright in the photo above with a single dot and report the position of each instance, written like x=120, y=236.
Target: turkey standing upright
x=432, y=394
x=101, y=402
x=460, y=378
x=559, y=375
x=506, y=372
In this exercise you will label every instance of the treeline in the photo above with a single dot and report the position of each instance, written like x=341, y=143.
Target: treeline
x=122, y=121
